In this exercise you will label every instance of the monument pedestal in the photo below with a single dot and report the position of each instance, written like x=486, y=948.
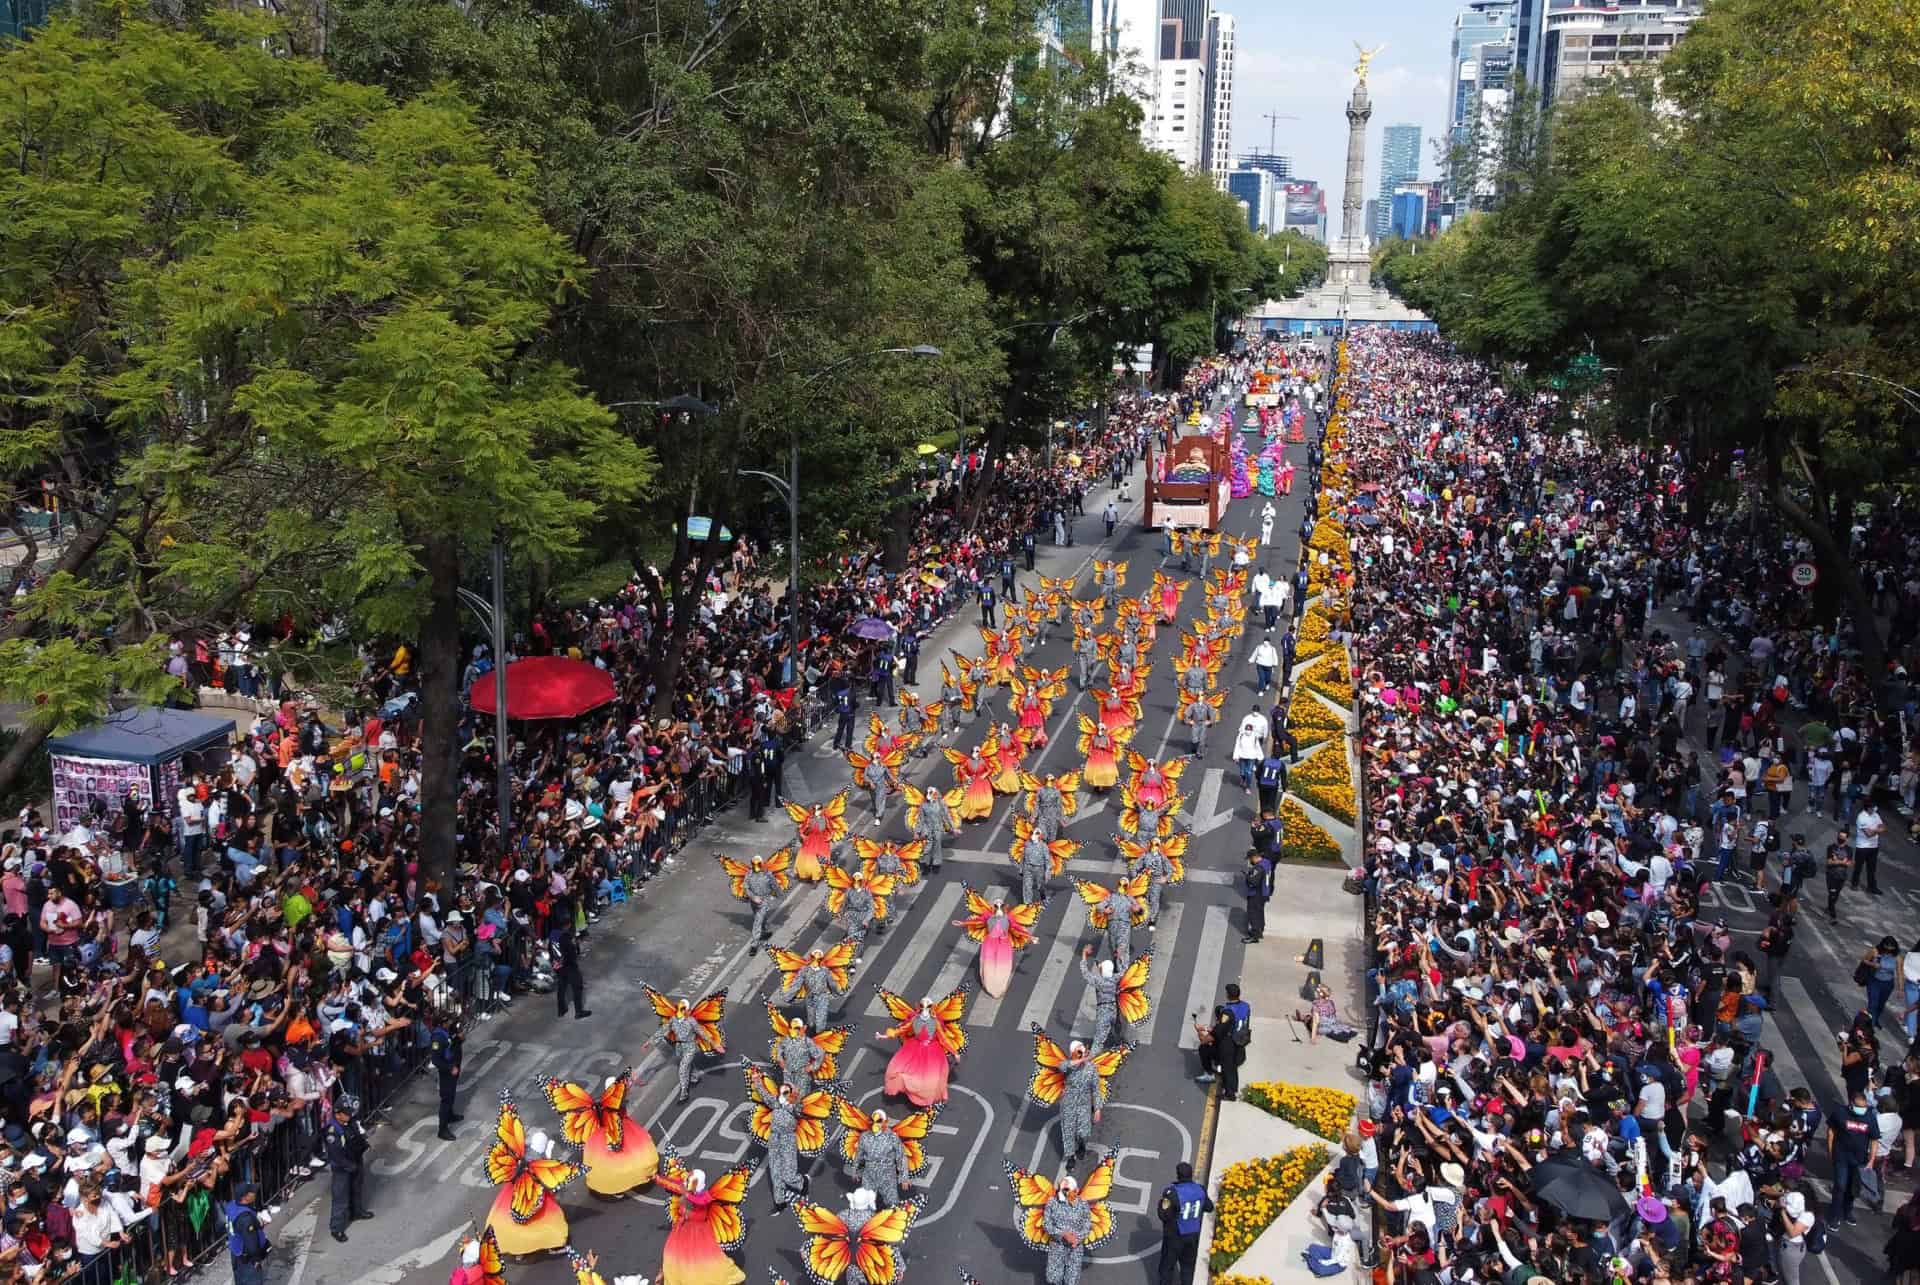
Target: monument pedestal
x=1350, y=265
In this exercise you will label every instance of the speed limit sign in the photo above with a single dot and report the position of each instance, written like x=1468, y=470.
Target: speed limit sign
x=1805, y=574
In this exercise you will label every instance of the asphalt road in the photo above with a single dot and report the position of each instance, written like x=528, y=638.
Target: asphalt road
x=1817, y=995
x=686, y=936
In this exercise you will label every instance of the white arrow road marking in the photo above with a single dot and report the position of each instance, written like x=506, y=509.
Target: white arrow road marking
x=1205, y=812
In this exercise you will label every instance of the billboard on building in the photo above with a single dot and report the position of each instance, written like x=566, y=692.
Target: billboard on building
x=1305, y=208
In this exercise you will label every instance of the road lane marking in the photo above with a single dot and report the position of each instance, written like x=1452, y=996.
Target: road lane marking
x=1053, y=973
x=907, y=964
x=1207, y=962
x=1165, y=940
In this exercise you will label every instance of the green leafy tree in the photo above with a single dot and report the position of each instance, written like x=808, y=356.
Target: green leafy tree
x=355, y=292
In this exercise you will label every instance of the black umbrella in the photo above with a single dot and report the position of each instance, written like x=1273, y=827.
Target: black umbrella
x=1577, y=1189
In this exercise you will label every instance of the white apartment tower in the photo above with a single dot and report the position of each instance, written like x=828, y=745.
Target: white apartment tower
x=1217, y=143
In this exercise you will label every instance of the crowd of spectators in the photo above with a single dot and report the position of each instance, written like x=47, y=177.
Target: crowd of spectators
x=1571, y=1070
x=281, y=953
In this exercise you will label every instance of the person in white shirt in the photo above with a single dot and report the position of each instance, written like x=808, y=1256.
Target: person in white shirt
x=1265, y=657
x=96, y=1227
x=1274, y=599
x=1250, y=745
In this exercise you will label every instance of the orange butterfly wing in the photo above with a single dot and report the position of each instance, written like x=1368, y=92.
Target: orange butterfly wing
x=829, y=1242
x=728, y=1190
x=510, y=1144
x=665, y=1007
x=737, y=872
x=876, y=1250
x=1132, y=1000
x=1099, y=1183
x=1049, y=1079
x=492, y=1270
x=554, y=1174
x=575, y=1107
x=710, y=1009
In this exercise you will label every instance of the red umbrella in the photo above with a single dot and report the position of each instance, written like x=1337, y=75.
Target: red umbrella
x=546, y=687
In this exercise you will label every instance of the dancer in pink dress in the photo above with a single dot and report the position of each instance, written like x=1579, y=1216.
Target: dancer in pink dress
x=999, y=932
x=929, y=1036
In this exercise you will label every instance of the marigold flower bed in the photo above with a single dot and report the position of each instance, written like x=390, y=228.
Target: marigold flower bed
x=1311, y=722
x=1331, y=679
x=1324, y=780
x=1252, y=1194
x=1326, y=1112
x=1305, y=841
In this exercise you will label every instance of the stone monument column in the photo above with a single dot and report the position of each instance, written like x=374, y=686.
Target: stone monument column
x=1359, y=112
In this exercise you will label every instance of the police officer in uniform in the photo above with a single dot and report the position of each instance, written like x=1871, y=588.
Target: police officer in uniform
x=1026, y=547
x=1007, y=589
x=346, y=1147
x=910, y=654
x=1183, y=1203
x=844, y=706
x=448, y=1049
x=247, y=1243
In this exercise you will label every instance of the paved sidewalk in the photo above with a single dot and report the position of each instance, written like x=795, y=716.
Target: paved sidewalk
x=1271, y=983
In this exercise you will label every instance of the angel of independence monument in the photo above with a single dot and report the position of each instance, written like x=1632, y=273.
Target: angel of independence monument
x=1348, y=296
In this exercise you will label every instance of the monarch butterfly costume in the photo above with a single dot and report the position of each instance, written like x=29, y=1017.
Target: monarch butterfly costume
x=480, y=1262
x=525, y=1218
x=899, y=862
x=815, y=978
x=975, y=775
x=706, y=1223
x=878, y=777
x=805, y=1056
x=857, y=1246
x=999, y=932
x=1003, y=654
x=1038, y=860
x=1119, y=999
x=1003, y=751
x=690, y=1028
x=1167, y=591
x=619, y=1154
x=1117, y=912
x=1118, y=710
x=1051, y=801
x=973, y=675
x=757, y=882
x=1075, y=1080
x=930, y=818
x=789, y=1126
x=820, y=828
x=1161, y=860
x=1153, y=781
x=882, y=1152
x=1141, y=821
x=882, y=741
x=928, y=1035
x=860, y=900
x=1047, y=1215
x=1101, y=745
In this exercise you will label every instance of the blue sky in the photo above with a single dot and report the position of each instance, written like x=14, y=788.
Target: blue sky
x=1297, y=59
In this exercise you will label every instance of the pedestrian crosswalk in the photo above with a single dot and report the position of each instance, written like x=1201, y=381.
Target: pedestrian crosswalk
x=924, y=954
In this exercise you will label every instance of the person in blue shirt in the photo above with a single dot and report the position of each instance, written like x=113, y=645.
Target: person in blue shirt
x=1183, y=1204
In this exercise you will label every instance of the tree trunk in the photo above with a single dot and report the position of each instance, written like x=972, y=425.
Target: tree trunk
x=32, y=736
x=980, y=482
x=439, y=660
x=899, y=530
x=683, y=592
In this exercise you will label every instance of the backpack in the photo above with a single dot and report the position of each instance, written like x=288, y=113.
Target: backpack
x=1816, y=1237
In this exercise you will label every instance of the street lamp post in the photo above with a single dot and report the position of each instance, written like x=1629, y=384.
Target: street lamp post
x=493, y=615
x=789, y=490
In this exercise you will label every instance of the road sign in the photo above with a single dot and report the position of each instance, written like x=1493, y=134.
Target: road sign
x=1805, y=574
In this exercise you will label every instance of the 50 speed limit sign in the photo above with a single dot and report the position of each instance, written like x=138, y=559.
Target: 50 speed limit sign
x=1805, y=574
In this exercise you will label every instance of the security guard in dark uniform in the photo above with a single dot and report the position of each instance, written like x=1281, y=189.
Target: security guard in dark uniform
x=1026, y=547
x=346, y=1147
x=447, y=1049
x=1183, y=1203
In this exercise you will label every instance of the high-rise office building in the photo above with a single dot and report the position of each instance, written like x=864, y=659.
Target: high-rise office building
x=1177, y=125
x=1399, y=163
x=1580, y=42
x=1482, y=23
x=1127, y=34
x=1409, y=211
x=1258, y=190
x=1274, y=163
x=1533, y=17
x=1216, y=145
x=1183, y=30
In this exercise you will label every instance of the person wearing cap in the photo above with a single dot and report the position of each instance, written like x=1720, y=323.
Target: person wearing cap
x=1184, y=1203
x=247, y=1243
x=346, y=1149
x=447, y=1051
